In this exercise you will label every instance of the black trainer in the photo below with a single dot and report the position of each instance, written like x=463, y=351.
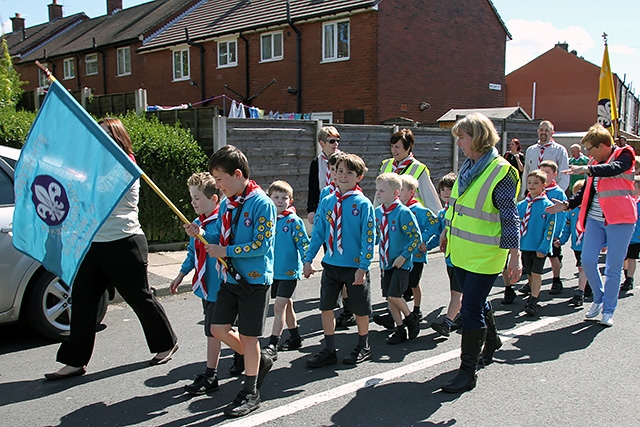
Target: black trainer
x=577, y=300
x=526, y=289
x=358, y=355
x=442, y=328
x=384, y=320
x=238, y=365
x=272, y=351
x=324, y=357
x=418, y=313
x=243, y=404
x=399, y=336
x=627, y=285
x=532, y=308
x=509, y=296
x=202, y=384
x=345, y=320
x=556, y=287
x=413, y=325
x=266, y=363
x=290, y=344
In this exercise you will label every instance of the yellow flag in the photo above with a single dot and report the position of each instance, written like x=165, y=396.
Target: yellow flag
x=607, y=106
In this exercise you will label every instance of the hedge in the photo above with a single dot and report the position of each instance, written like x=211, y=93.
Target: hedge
x=14, y=126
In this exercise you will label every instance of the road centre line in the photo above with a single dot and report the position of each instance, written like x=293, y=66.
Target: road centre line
x=372, y=381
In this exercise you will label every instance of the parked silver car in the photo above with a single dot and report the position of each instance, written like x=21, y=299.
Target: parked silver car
x=29, y=292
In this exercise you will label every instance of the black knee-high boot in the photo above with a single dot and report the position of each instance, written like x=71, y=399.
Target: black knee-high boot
x=492, y=341
x=465, y=379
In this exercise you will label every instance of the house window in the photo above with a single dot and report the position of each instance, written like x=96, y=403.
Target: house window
x=335, y=41
x=181, y=64
x=69, y=68
x=91, y=64
x=42, y=77
x=124, y=61
x=227, y=53
x=271, y=46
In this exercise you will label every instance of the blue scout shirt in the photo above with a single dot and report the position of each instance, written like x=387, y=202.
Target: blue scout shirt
x=429, y=225
x=570, y=230
x=404, y=235
x=635, y=238
x=290, y=247
x=557, y=193
x=541, y=227
x=210, y=274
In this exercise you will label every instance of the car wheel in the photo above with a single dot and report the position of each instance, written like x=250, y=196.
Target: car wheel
x=49, y=307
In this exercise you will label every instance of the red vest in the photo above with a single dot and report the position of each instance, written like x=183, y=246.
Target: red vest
x=615, y=194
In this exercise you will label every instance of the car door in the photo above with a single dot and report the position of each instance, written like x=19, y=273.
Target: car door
x=9, y=257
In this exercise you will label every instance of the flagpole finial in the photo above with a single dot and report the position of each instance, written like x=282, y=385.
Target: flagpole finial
x=605, y=38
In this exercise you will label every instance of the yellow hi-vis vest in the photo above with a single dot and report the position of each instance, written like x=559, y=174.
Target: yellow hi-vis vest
x=474, y=227
x=415, y=169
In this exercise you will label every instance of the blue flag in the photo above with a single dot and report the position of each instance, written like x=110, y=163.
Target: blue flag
x=68, y=179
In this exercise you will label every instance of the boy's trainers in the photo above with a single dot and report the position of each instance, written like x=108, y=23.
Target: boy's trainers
x=442, y=328
x=627, y=285
x=266, y=363
x=556, y=287
x=412, y=322
x=532, y=308
x=526, y=289
x=325, y=357
x=577, y=300
x=384, y=320
x=271, y=351
x=238, y=365
x=243, y=404
x=358, y=355
x=509, y=296
x=345, y=320
x=202, y=384
x=290, y=344
x=418, y=313
x=399, y=336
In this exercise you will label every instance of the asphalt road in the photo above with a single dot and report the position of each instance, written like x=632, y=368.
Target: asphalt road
x=556, y=369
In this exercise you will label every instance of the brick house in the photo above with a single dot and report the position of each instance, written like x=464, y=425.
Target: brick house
x=359, y=61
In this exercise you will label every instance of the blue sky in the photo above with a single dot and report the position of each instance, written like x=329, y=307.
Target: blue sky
x=536, y=26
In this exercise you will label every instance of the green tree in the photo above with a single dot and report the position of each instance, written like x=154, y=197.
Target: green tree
x=10, y=84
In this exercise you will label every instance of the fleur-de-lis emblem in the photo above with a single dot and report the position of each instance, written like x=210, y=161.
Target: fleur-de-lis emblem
x=50, y=200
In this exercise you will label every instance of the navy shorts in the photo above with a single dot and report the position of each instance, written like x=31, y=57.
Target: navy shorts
x=453, y=281
x=250, y=308
x=395, y=282
x=556, y=252
x=532, y=263
x=416, y=274
x=209, y=308
x=634, y=251
x=578, y=255
x=331, y=283
x=283, y=288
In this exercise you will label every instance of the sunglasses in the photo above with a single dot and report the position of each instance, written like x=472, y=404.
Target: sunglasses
x=333, y=141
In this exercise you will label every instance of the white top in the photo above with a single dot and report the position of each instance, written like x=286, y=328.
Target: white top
x=123, y=221
x=555, y=152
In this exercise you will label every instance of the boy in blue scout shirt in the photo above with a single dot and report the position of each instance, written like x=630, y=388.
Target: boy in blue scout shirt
x=571, y=231
x=243, y=236
x=398, y=238
x=205, y=199
x=537, y=228
x=345, y=221
x=290, y=246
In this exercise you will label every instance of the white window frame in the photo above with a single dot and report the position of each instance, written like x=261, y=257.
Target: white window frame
x=331, y=54
x=273, y=45
x=226, y=42
x=181, y=55
x=123, y=54
x=43, y=81
x=92, y=60
x=69, y=68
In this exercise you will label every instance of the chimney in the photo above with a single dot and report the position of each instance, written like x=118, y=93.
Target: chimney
x=564, y=46
x=55, y=10
x=113, y=6
x=17, y=23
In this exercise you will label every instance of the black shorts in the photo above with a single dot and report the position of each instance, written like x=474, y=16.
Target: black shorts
x=556, y=252
x=283, y=288
x=453, y=282
x=634, y=251
x=578, y=255
x=532, y=263
x=250, y=308
x=395, y=282
x=331, y=283
x=209, y=308
x=416, y=274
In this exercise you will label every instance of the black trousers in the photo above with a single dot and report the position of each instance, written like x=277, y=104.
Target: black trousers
x=122, y=263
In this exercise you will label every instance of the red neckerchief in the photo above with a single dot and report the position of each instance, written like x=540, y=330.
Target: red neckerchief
x=412, y=202
x=384, y=233
x=285, y=213
x=399, y=167
x=527, y=213
x=335, y=225
x=201, y=255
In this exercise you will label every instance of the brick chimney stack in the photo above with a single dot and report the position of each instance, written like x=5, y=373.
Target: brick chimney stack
x=17, y=22
x=55, y=10
x=113, y=6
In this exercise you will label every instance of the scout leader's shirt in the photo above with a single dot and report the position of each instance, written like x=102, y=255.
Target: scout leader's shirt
x=404, y=235
x=290, y=246
x=540, y=227
x=211, y=278
x=429, y=226
x=358, y=228
x=251, y=249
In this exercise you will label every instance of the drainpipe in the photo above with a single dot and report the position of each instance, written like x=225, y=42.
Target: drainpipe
x=104, y=67
x=246, y=66
x=298, y=60
x=201, y=48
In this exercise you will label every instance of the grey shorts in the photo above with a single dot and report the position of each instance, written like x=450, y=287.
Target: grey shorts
x=395, y=282
x=532, y=263
x=333, y=279
x=453, y=282
x=250, y=309
x=416, y=274
x=283, y=288
x=209, y=308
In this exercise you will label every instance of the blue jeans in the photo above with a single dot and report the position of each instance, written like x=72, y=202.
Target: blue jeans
x=616, y=238
x=475, y=290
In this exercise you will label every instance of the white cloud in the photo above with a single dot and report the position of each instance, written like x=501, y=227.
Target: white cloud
x=623, y=49
x=6, y=27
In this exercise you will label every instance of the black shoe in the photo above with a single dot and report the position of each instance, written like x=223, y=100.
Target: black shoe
x=577, y=300
x=457, y=323
x=243, y=404
x=412, y=322
x=325, y=357
x=384, y=320
x=408, y=294
x=509, y=296
x=358, y=355
x=627, y=285
x=345, y=320
x=526, y=289
x=202, y=384
x=532, y=308
x=266, y=363
x=556, y=287
x=290, y=344
x=54, y=376
x=588, y=293
x=399, y=336
x=272, y=351
x=442, y=328
x=238, y=365
x=418, y=313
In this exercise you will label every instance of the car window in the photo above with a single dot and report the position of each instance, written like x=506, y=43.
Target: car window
x=12, y=162
x=6, y=189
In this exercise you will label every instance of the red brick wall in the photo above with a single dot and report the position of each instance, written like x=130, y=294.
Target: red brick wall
x=566, y=89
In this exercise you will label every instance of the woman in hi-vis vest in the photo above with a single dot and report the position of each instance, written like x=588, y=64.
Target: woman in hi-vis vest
x=481, y=233
x=608, y=214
